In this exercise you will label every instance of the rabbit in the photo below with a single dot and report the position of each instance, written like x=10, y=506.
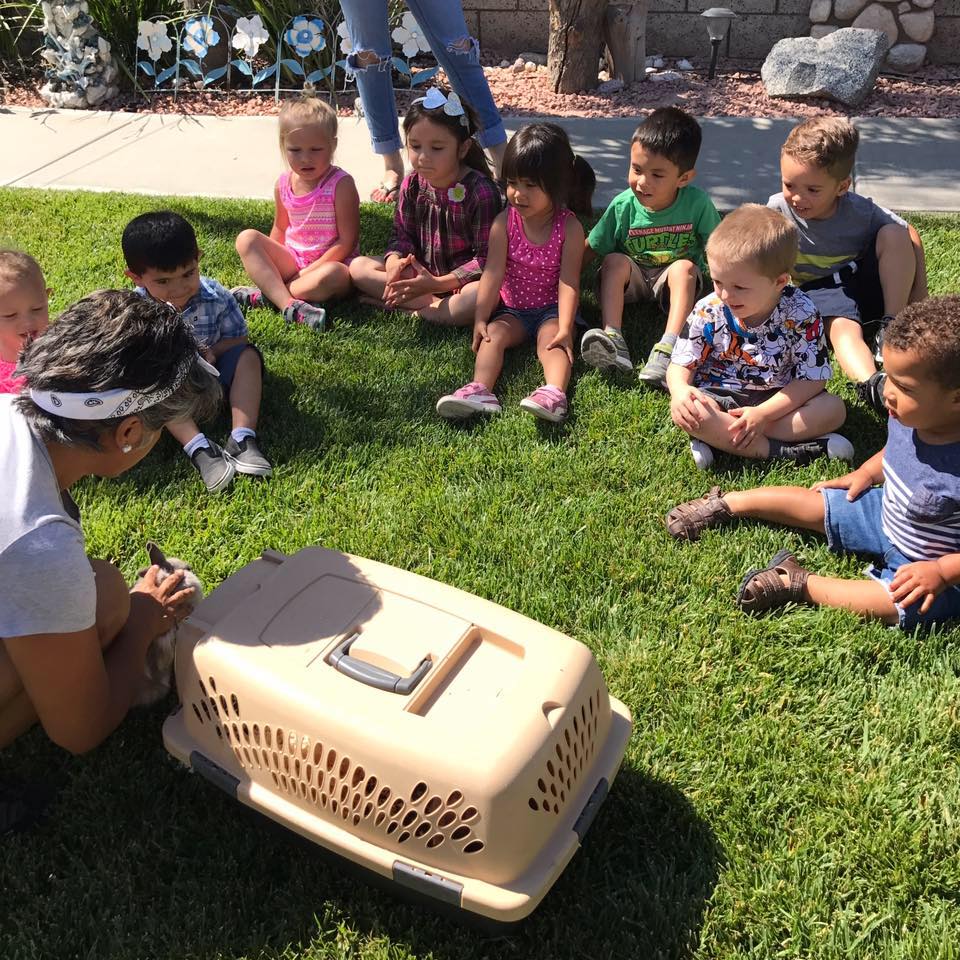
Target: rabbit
x=158, y=666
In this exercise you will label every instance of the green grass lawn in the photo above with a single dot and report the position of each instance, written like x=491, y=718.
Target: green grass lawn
x=791, y=788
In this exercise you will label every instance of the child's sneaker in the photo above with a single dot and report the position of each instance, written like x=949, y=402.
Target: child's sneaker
x=471, y=398
x=299, y=311
x=702, y=454
x=832, y=445
x=878, y=350
x=606, y=350
x=870, y=392
x=248, y=298
x=247, y=457
x=547, y=403
x=215, y=469
x=655, y=370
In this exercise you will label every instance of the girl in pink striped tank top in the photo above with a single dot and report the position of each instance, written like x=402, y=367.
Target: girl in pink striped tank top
x=316, y=226
x=530, y=285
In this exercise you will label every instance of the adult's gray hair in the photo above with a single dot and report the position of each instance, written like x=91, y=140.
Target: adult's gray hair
x=115, y=339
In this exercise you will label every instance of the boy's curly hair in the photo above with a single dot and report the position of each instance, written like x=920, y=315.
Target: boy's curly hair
x=930, y=327
x=826, y=142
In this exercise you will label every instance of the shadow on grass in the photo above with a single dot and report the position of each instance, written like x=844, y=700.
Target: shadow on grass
x=200, y=875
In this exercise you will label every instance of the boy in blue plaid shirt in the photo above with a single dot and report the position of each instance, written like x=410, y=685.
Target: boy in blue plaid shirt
x=162, y=258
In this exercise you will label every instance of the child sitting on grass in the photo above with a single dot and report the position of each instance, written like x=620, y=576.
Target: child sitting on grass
x=24, y=312
x=858, y=261
x=162, y=258
x=531, y=282
x=748, y=375
x=441, y=226
x=901, y=508
x=316, y=224
x=651, y=239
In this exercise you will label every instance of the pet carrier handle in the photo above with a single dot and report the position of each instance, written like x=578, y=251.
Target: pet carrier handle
x=375, y=676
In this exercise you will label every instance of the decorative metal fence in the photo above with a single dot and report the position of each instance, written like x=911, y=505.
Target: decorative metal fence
x=205, y=50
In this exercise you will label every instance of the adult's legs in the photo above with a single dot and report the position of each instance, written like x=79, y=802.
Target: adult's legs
x=443, y=23
x=17, y=714
x=370, y=63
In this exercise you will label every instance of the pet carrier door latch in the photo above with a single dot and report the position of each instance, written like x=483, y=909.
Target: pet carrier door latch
x=375, y=676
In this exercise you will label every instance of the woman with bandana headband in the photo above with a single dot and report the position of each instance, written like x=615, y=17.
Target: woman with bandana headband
x=100, y=385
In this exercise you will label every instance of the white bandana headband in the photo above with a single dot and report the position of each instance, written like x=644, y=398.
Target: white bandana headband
x=452, y=106
x=107, y=404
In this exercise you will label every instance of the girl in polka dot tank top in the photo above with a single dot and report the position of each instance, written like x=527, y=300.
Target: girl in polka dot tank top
x=530, y=286
x=316, y=226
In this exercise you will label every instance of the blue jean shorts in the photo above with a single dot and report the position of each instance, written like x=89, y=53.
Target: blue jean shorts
x=534, y=318
x=858, y=528
x=227, y=364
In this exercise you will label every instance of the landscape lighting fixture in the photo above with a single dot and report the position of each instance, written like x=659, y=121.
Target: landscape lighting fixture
x=718, y=23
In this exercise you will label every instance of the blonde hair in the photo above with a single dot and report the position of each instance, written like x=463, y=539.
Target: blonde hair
x=304, y=111
x=17, y=267
x=758, y=236
x=826, y=142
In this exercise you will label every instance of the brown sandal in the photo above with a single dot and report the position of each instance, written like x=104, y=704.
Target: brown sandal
x=764, y=589
x=686, y=521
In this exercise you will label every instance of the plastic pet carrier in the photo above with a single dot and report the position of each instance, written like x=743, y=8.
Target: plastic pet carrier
x=447, y=744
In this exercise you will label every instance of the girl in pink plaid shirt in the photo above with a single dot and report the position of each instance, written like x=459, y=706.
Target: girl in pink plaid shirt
x=433, y=262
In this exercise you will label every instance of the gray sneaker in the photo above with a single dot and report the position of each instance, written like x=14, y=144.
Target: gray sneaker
x=246, y=457
x=606, y=350
x=878, y=349
x=248, y=297
x=655, y=370
x=214, y=468
x=299, y=311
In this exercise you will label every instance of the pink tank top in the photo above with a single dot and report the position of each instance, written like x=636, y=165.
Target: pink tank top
x=532, y=277
x=312, y=228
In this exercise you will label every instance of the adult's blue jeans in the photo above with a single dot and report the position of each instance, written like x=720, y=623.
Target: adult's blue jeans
x=445, y=28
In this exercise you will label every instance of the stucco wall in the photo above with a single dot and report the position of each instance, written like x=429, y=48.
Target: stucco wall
x=505, y=27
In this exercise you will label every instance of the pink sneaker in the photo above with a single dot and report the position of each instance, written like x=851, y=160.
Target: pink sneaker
x=547, y=403
x=471, y=398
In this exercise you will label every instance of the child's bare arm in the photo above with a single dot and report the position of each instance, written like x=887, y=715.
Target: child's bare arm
x=222, y=346
x=588, y=253
x=571, y=261
x=924, y=580
x=280, y=219
x=493, y=270
x=867, y=475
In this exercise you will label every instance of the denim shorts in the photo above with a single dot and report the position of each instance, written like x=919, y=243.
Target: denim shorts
x=534, y=318
x=226, y=364
x=858, y=528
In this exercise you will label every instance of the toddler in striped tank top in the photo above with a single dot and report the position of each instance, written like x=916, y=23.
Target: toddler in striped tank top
x=304, y=261
x=530, y=287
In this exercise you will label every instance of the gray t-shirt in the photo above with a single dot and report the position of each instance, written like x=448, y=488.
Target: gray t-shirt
x=827, y=245
x=46, y=581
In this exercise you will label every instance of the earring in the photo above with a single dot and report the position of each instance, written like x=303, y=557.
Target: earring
x=126, y=448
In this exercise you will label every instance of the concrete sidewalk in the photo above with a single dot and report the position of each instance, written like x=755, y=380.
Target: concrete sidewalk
x=902, y=163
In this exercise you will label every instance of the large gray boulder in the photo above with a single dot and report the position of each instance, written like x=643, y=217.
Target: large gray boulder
x=841, y=66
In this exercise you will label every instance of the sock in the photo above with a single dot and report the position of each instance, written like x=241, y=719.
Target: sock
x=241, y=433
x=191, y=446
x=609, y=329
x=669, y=338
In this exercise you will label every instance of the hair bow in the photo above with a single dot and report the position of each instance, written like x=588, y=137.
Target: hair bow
x=451, y=103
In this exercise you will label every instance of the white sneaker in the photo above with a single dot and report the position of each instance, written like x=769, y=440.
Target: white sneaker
x=838, y=447
x=702, y=454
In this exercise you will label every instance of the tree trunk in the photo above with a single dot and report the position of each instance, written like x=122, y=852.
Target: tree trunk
x=576, y=35
x=625, y=30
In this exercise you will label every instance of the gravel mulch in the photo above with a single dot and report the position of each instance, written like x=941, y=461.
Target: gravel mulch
x=736, y=92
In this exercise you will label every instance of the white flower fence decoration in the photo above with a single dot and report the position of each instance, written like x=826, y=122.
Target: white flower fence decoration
x=173, y=53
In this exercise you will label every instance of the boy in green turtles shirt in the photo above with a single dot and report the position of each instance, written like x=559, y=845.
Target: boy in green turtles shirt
x=652, y=239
